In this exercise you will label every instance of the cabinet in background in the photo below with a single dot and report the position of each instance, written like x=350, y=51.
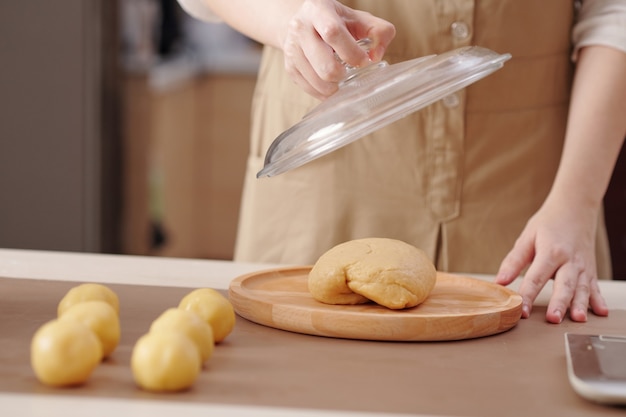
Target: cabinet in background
x=185, y=153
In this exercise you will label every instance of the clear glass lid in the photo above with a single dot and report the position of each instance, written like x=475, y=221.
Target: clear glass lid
x=375, y=96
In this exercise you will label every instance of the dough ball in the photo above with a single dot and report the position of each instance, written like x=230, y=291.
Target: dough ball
x=188, y=322
x=213, y=308
x=101, y=318
x=165, y=361
x=389, y=272
x=64, y=353
x=88, y=292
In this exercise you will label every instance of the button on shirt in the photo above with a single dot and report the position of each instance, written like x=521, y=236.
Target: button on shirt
x=460, y=30
x=445, y=150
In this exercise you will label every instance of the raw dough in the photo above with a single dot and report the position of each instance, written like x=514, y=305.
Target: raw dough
x=188, y=322
x=213, y=308
x=64, y=353
x=101, y=318
x=86, y=292
x=165, y=361
x=389, y=272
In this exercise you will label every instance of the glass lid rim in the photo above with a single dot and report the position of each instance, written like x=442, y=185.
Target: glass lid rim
x=310, y=150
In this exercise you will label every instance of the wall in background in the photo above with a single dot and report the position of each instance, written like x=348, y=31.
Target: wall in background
x=57, y=125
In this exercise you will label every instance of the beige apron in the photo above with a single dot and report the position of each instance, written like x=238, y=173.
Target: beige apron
x=458, y=179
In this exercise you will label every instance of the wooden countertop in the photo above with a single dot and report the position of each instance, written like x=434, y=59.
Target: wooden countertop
x=263, y=371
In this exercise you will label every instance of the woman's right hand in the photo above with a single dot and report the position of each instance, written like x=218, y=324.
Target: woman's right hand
x=322, y=28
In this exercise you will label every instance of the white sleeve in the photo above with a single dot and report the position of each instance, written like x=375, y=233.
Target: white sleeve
x=199, y=9
x=600, y=22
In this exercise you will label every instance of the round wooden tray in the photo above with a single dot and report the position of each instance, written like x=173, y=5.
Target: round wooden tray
x=458, y=308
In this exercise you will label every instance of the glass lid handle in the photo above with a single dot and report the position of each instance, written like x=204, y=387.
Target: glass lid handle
x=355, y=72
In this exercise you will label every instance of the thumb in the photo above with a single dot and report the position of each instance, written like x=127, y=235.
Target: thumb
x=382, y=37
x=516, y=260
x=381, y=32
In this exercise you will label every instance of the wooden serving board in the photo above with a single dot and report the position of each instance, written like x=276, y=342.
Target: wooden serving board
x=458, y=308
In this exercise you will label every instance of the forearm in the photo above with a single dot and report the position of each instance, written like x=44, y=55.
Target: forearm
x=596, y=127
x=263, y=21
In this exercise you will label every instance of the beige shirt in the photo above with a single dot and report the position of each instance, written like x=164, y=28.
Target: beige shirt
x=458, y=179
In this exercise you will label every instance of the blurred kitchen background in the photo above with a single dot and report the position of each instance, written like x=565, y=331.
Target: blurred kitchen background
x=124, y=129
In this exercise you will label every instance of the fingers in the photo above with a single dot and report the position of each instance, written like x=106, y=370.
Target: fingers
x=578, y=290
x=311, y=62
x=363, y=25
x=596, y=301
x=378, y=30
x=301, y=65
x=516, y=260
x=539, y=272
x=575, y=289
x=318, y=92
x=571, y=290
x=521, y=256
x=323, y=30
x=339, y=40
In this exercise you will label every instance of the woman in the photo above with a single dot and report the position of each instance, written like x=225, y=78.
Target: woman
x=503, y=177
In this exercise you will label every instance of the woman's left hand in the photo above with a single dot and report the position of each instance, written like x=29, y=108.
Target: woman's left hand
x=557, y=243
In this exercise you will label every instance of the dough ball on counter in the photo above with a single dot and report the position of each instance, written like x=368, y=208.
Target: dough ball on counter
x=64, y=353
x=188, y=322
x=213, y=308
x=389, y=272
x=101, y=318
x=87, y=292
x=165, y=361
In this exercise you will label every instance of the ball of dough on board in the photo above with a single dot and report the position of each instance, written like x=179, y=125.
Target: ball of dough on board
x=389, y=272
